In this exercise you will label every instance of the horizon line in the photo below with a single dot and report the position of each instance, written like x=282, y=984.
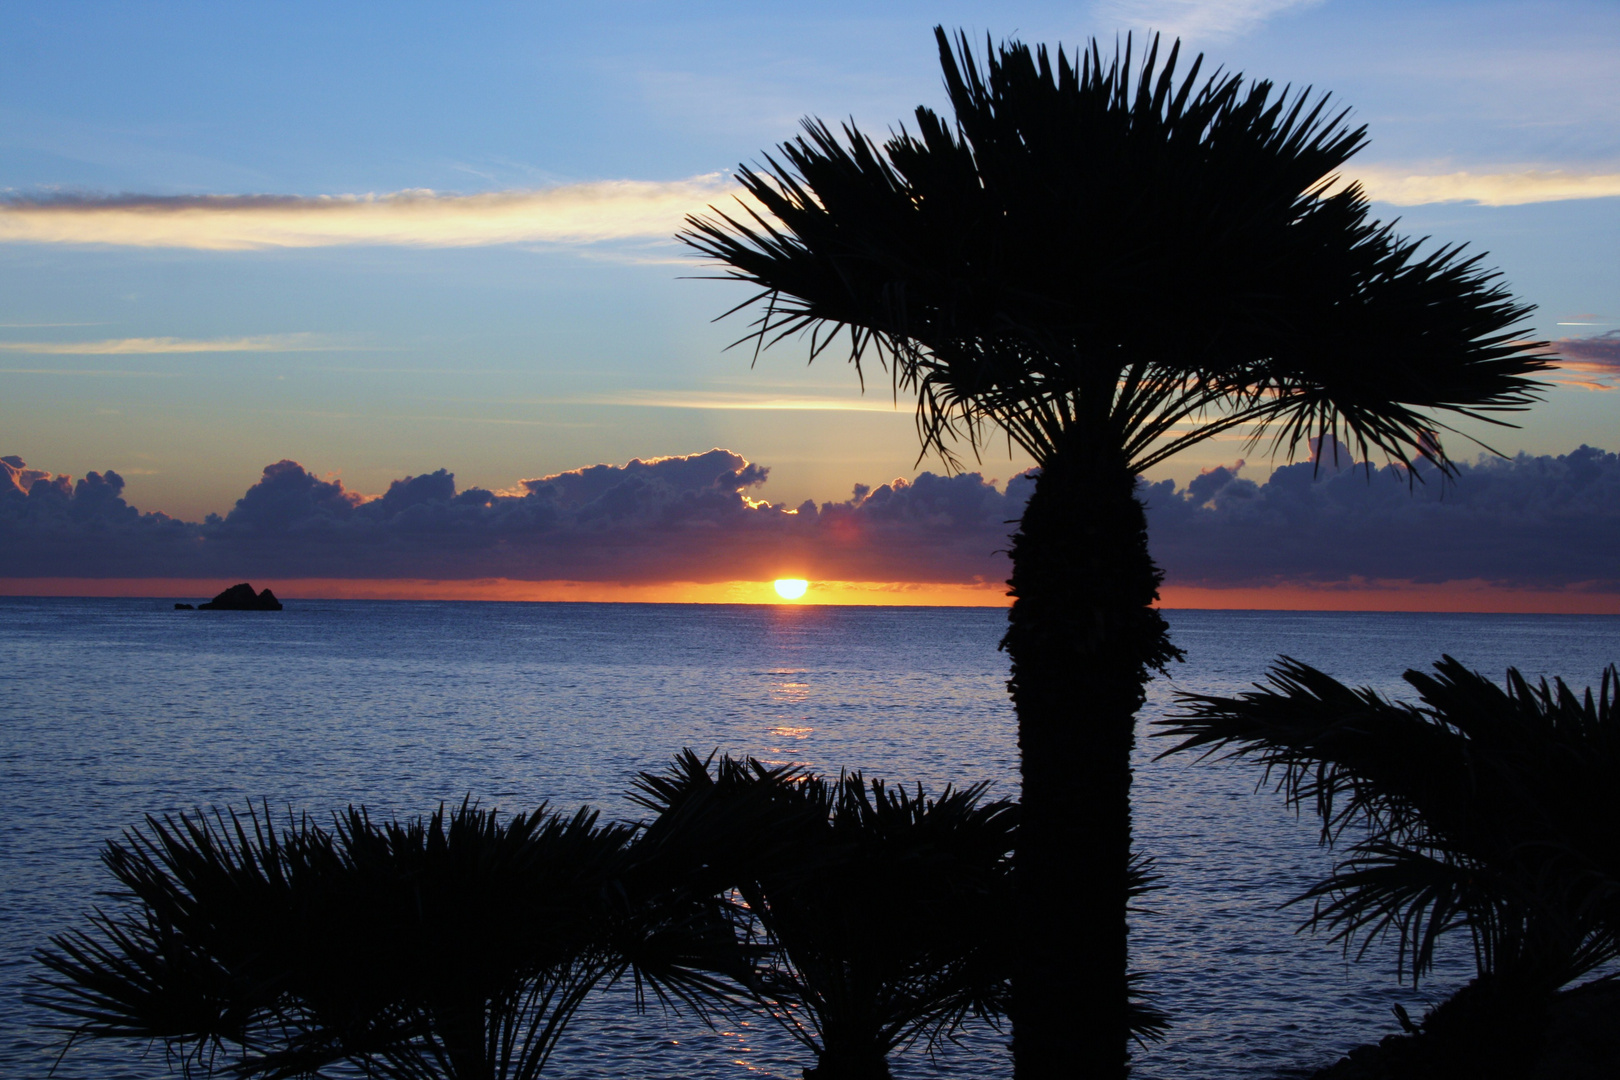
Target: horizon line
x=1472, y=597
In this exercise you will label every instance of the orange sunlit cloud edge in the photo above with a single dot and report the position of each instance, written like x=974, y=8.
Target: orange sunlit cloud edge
x=1469, y=596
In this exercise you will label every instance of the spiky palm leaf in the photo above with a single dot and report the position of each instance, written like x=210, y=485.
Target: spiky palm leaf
x=457, y=946
x=157, y=967
x=1487, y=808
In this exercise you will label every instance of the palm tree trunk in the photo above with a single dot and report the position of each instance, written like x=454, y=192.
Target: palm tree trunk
x=849, y=1052
x=1083, y=638
x=460, y=1025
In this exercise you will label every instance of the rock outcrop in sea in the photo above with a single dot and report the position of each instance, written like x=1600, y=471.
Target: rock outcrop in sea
x=242, y=598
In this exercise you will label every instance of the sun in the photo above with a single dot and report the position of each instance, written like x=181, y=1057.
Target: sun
x=791, y=588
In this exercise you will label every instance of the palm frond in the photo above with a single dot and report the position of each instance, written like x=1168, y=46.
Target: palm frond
x=1482, y=807
x=1091, y=242
x=456, y=945
x=872, y=911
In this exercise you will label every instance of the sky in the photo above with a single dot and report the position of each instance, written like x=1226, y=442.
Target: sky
x=242, y=240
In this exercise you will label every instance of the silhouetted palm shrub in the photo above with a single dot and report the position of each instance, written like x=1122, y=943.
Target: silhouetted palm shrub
x=876, y=917
x=1485, y=809
x=455, y=947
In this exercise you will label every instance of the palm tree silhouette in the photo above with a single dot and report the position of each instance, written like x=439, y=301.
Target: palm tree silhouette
x=1487, y=809
x=453, y=948
x=1107, y=267
x=877, y=917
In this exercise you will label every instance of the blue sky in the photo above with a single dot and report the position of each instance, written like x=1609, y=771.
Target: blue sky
x=556, y=326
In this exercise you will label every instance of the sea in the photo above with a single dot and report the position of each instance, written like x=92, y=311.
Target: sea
x=111, y=710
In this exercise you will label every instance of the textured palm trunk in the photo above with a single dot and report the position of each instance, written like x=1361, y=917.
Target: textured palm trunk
x=1083, y=638
x=461, y=1033
x=849, y=1054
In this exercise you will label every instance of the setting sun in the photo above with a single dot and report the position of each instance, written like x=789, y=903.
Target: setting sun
x=791, y=588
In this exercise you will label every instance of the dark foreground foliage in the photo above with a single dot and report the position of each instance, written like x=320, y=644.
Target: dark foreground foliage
x=1483, y=808
x=880, y=917
x=860, y=916
x=455, y=947
x=1457, y=1041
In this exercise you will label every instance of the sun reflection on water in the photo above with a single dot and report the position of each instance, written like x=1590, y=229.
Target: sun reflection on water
x=781, y=731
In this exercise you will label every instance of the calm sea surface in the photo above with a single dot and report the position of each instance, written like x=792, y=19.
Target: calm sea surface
x=112, y=709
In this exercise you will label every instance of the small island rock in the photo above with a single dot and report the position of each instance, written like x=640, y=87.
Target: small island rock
x=185, y=607
x=242, y=598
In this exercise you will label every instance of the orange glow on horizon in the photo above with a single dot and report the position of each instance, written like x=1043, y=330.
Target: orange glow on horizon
x=861, y=593
x=1468, y=596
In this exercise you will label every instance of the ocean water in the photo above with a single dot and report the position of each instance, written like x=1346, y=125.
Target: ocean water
x=113, y=709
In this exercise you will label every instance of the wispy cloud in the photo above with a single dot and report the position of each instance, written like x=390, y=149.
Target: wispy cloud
x=94, y=374
x=570, y=214
x=1406, y=187
x=1592, y=363
x=699, y=399
x=580, y=215
x=1196, y=19
x=164, y=346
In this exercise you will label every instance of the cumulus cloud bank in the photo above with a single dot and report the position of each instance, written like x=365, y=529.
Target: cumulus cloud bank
x=1527, y=522
x=568, y=214
x=684, y=518
x=1523, y=523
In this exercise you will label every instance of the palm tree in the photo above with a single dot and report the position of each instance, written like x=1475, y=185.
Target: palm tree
x=458, y=947
x=878, y=917
x=1107, y=267
x=1484, y=809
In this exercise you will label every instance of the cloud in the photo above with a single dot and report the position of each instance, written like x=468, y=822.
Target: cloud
x=704, y=399
x=162, y=346
x=1400, y=187
x=1532, y=523
x=48, y=520
x=570, y=214
x=1595, y=358
x=97, y=373
x=1527, y=523
x=592, y=213
x=683, y=518
x=1199, y=19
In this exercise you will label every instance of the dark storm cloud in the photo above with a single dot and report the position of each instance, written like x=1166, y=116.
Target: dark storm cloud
x=1533, y=522
x=1525, y=522
x=51, y=526
x=684, y=518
